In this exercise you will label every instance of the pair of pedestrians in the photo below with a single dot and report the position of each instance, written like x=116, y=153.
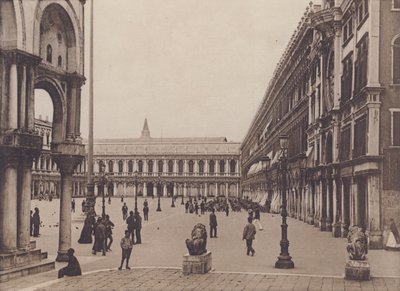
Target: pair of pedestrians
x=134, y=223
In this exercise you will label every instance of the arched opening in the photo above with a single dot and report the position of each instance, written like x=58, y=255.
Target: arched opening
x=140, y=166
x=180, y=167
x=57, y=38
x=160, y=166
x=49, y=104
x=222, y=166
x=170, y=167
x=150, y=166
x=120, y=166
x=201, y=167
x=191, y=167
x=130, y=166
x=211, y=167
x=110, y=166
x=149, y=189
x=328, y=149
x=232, y=167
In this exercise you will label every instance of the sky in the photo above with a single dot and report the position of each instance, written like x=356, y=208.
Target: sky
x=193, y=68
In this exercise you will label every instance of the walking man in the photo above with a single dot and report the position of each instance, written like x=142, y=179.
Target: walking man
x=213, y=224
x=227, y=210
x=109, y=226
x=126, y=247
x=249, y=233
x=124, y=211
x=99, y=237
x=138, y=227
x=146, y=213
x=186, y=206
x=130, y=221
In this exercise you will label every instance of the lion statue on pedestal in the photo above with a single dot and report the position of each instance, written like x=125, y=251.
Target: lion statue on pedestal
x=357, y=243
x=197, y=244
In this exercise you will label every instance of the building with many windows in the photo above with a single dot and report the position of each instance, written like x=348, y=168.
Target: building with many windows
x=146, y=166
x=46, y=178
x=168, y=166
x=336, y=94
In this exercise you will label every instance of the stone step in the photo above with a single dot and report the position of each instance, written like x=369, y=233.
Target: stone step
x=44, y=256
x=19, y=259
x=32, y=244
x=30, y=269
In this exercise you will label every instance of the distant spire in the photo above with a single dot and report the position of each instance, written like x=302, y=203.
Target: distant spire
x=145, y=131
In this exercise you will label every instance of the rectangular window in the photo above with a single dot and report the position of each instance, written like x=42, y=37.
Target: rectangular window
x=360, y=137
x=345, y=137
x=347, y=79
x=396, y=128
x=361, y=65
x=396, y=61
x=396, y=4
x=347, y=29
x=362, y=11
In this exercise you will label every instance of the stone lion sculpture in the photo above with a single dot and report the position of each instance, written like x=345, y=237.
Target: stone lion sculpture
x=357, y=243
x=197, y=244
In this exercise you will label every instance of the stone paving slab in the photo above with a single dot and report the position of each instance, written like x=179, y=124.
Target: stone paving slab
x=172, y=279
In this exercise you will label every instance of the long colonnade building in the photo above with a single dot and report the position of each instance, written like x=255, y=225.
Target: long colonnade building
x=149, y=166
x=335, y=93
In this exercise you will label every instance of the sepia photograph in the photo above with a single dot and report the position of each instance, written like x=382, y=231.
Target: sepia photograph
x=199, y=145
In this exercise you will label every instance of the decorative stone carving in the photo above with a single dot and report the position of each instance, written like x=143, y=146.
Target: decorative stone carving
x=357, y=245
x=197, y=244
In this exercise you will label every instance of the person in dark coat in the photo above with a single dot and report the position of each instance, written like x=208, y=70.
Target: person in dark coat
x=186, y=206
x=213, y=224
x=249, y=233
x=99, y=237
x=138, y=227
x=73, y=268
x=109, y=226
x=124, y=211
x=36, y=222
x=227, y=210
x=73, y=205
x=196, y=208
x=130, y=221
x=31, y=225
x=83, y=205
x=86, y=233
x=202, y=207
x=146, y=213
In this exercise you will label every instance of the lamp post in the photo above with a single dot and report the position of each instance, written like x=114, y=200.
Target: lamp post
x=173, y=200
x=158, y=194
x=182, y=202
x=102, y=182
x=284, y=259
x=136, y=189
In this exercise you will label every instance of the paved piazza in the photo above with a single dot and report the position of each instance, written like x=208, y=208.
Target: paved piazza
x=319, y=258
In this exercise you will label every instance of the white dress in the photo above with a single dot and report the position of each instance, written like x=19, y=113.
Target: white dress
x=391, y=243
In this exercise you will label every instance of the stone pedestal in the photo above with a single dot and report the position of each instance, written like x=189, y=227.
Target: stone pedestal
x=200, y=264
x=357, y=270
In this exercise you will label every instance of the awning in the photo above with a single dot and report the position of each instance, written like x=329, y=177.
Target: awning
x=266, y=128
x=276, y=157
x=310, y=157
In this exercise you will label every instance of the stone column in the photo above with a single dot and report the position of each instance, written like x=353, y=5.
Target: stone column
x=237, y=190
x=67, y=164
x=206, y=189
x=374, y=204
x=216, y=189
x=336, y=208
x=329, y=201
x=71, y=93
x=144, y=189
x=30, y=99
x=125, y=189
x=13, y=97
x=8, y=202
x=22, y=105
x=185, y=190
x=165, y=190
x=354, y=207
x=344, y=221
x=226, y=190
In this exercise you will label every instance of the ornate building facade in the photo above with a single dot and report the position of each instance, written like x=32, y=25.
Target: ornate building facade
x=335, y=93
x=149, y=166
x=46, y=176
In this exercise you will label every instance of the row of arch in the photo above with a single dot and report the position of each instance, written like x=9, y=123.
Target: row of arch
x=193, y=166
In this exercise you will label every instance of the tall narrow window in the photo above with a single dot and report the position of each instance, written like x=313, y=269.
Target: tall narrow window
x=191, y=167
x=120, y=166
x=396, y=60
x=130, y=166
x=140, y=166
x=347, y=79
x=360, y=137
x=59, y=61
x=180, y=167
x=170, y=166
x=110, y=166
x=361, y=67
x=49, y=54
x=150, y=164
x=345, y=143
x=201, y=167
x=160, y=166
x=395, y=127
x=212, y=167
